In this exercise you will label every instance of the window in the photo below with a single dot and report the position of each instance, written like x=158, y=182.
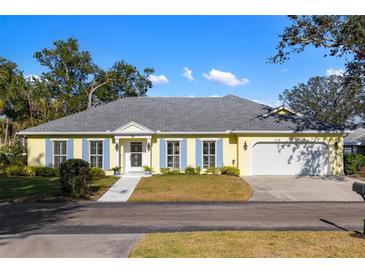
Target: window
x=96, y=154
x=59, y=152
x=208, y=154
x=347, y=150
x=173, y=154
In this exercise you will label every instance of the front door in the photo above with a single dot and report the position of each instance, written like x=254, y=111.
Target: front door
x=134, y=156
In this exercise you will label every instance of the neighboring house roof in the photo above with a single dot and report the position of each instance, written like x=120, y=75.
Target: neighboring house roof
x=181, y=114
x=356, y=137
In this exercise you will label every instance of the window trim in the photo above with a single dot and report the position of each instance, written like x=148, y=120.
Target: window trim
x=53, y=150
x=102, y=155
x=202, y=152
x=167, y=155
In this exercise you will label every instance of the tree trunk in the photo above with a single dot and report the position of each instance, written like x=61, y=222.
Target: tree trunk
x=6, y=131
x=90, y=99
x=91, y=93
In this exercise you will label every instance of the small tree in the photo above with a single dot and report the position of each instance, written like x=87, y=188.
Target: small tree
x=75, y=177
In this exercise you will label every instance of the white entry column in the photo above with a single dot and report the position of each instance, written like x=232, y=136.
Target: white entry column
x=148, y=150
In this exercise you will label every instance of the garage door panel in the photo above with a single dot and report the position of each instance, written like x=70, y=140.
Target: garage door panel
x=289, y=159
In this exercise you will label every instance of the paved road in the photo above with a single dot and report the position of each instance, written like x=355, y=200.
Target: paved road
x=119, y=218
x=68, y=245
x=112, y=229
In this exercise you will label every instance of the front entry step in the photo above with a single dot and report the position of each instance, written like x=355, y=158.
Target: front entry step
x=135, y=174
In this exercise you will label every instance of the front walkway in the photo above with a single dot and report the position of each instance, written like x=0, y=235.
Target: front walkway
x=122, y=189
x=302, y=188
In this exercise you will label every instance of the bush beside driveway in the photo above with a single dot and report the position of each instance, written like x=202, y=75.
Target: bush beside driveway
x=191, y=188
x=258, y=244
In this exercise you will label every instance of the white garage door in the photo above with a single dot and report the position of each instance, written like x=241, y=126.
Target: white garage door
x=289, y=159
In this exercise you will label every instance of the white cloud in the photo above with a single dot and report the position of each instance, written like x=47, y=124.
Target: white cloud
x=225, y=78
x=337, y=72
x=32, y=77
x=188, y=74
x=158, y=80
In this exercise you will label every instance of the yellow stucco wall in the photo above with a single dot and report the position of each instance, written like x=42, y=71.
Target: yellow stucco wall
x=329, y=139
x=36, y=151
x=283, y=112
x=233, y=152
x=229, y=148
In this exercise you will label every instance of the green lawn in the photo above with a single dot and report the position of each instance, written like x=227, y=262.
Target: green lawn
x=172, y=188
x=259, y=244
x=17, y=188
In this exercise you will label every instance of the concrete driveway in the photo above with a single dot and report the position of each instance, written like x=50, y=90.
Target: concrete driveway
x=303, y=188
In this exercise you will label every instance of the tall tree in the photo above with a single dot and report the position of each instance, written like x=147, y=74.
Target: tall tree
x=342, y=36
x=78, y=82
x=71, y=83
x=10, y=77
x=327, y=99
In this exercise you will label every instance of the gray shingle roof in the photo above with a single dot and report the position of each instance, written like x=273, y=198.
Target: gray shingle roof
x=356, y=137
x=182, y=114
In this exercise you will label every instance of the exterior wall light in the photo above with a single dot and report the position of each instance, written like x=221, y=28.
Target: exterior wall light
x=245, y=146
x=116, y=147
x=336, y=145
x=148, y=146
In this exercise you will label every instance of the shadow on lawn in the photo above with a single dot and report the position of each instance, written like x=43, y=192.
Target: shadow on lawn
x=355, y=234
x=26, y=218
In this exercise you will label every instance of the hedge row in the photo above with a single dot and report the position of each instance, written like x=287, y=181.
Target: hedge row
x=44, y=171
x=226, y=170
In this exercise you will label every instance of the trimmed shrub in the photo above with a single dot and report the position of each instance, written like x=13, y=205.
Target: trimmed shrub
x=170, y=171
x=19, y=171
x=16, y=154
x=353, y=163
x=212, y=170
x=197, y=170
x=4, y=161
x=190, y=170
x=165, y=170
x=97, y=172
x=174, y=171
x=230, y=170
x=75, y=177
x=46, y=171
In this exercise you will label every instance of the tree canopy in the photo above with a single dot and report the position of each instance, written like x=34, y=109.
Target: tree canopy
x=72, y=82
x=338, y=100
x=342, y=36
x=327, y=99
x=71, y=73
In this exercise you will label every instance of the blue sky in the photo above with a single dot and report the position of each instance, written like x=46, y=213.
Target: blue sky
x=225, y=54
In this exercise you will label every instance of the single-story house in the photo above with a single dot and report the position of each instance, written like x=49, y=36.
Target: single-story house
x=354, y=142
x=178, y=132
